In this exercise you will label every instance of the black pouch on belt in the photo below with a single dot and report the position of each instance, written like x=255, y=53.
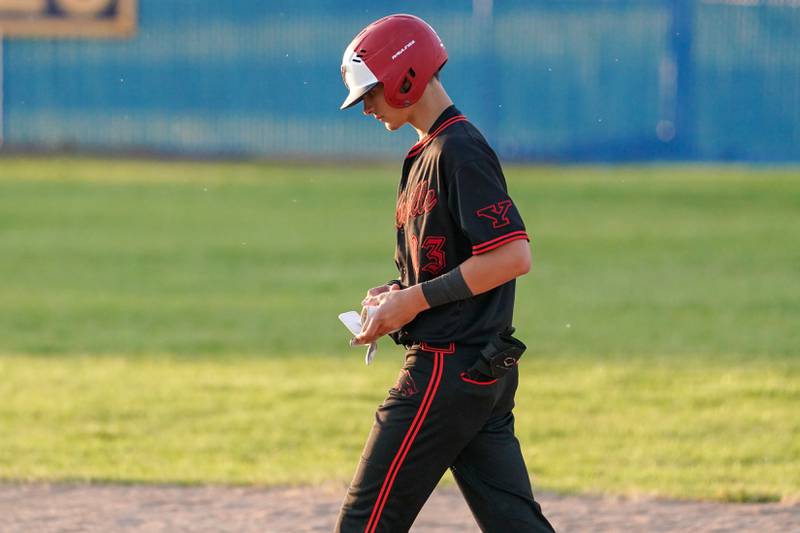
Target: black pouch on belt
x=499, y=356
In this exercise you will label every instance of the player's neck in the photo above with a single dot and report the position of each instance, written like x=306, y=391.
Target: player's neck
x=425, y=112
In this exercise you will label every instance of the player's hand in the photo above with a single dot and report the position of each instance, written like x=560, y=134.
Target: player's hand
x=375, y=291
x=396, y=308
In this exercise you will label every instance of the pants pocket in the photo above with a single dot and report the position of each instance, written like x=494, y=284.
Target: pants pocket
x=405, y=386
x=477, y=379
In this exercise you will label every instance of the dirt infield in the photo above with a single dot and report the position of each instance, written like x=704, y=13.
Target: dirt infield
x=134, y=508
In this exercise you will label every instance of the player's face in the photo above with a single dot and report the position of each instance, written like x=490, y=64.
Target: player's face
x=375, y=105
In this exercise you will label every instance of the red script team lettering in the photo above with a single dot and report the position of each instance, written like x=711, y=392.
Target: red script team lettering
x=415, y=203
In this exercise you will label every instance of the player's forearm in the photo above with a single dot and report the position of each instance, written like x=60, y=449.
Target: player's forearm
x=486, y=271
x=478, y=274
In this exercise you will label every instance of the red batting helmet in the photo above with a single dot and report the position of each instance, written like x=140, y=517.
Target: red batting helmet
x=400, y=51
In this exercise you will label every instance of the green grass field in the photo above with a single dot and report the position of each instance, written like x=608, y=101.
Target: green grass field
x=176, y=322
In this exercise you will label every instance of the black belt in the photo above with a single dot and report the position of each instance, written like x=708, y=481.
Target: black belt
x=499, y=355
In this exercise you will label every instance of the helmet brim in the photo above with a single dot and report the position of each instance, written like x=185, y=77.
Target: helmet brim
x=356, y=95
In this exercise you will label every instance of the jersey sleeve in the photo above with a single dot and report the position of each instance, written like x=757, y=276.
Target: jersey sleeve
x=480, y=205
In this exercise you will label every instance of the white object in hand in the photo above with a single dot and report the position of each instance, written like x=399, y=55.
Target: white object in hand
x=353, y=322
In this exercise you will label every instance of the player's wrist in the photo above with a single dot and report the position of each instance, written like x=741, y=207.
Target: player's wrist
x=415, y=298
x=449, y=287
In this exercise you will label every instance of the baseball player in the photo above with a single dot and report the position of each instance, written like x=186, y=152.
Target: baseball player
x=460, y=245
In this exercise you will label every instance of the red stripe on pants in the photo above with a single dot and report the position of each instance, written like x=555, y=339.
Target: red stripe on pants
x=408, y=440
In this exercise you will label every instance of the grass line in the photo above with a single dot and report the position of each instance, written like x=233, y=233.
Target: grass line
x=681, y=427
x=176, y=322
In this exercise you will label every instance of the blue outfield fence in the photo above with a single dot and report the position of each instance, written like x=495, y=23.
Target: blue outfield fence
x=566, y=80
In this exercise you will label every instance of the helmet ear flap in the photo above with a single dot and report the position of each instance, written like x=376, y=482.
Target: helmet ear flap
x=406, y=85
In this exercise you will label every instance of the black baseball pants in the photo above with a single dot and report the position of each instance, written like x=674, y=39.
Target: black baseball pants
x=436, y=418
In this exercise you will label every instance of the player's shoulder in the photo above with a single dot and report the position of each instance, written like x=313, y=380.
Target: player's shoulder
x=462, y=143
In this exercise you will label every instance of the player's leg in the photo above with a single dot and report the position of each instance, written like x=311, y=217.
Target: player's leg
x=416, y=436
x=491, y=473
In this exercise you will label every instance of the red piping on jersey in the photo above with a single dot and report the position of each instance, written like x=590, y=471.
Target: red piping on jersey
x=422, y=412
x=499, y=241
x=417, y=148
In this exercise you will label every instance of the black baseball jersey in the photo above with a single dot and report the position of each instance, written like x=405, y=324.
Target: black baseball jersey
x=452, y=203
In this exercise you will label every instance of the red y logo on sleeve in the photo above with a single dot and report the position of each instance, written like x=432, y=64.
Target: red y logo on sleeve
x=497, y=213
